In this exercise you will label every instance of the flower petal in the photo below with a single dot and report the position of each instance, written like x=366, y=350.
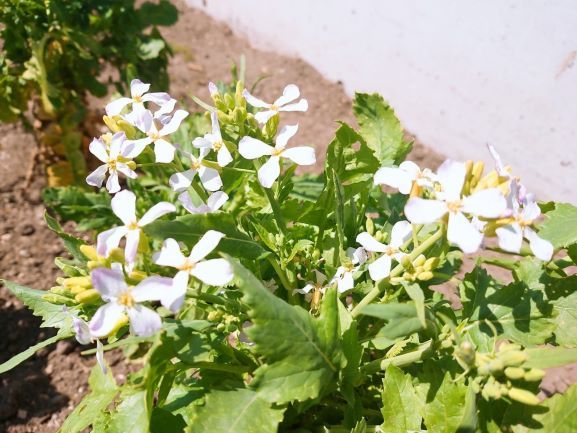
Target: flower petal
x=380, y=268
x=174, y=124
x=109, y=282
x=289, y=94
x=422, y=211
x=285, y=135
x=112, y=184
x=269, y=172
x=131, y=247
x=132, y=148
x=302, y=105
x=215, y=126
x=215, y=272
x=411, y=168
x=181, y=181
x=301, y=155
x=369, y=243
x=543, y=249
x=151, y=288
x=251, y=148
x=462, y=232
x=124, y=206
x=510, y=237
x=109, y=239
x=395, y=178
x=126, y=170
x=223, y=157
x=345, y=282
x=164, y=110
x=97, y=176
x=100, y=357
x=207, y=243
x=202, y=142
x=98, y=149
x=531, y=211
x=144, y=322
x=115, y=107
x=217, y=200
x=106, y=319
x=400, y=233
x=138, y=88
x=210, y=178
x=169, y=255
x=488, y=203
x=255, y=102
x=187, y=203
x=158, y=98
x=451, y=175
x=173, y=298
x=163, y=151
x=264, y=116
x=155, y=212
x=81, y=330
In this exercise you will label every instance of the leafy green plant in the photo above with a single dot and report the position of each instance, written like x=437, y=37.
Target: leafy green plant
x=53, y=53
x=262, y=301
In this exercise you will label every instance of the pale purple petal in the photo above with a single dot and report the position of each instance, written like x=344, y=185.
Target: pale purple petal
x=151, y=288
x=165, y=109
x=285, y=135
x=202, y=142
x=109, y=239
x=109, y=283
x=98, y=149
x=163, y=151
x=345, y=282
x=510, y=237
x=251, y=148
x=144, y=322
x=462, y=232
x=112, y=184
x=158, y=98
x=411, y=168
x=173, y=297
x=531, y=211
x=269, y=172
x=210, y=178
x=174, y=124
x=106, y=319
x=215, y=126
x=131, y=247
x=155, y=212
x=138, y=88
x=488, y=203
x=301, y=155
x=205, y=245
x=422, y=211
x=395, y=178
x=187, y=203
x=217, y=200
x=97, y=176
x=169, y=255
x=223, y=157
x=124, y=206
x=302, y=105
x=542, y=248
x=255, y=102
x=115, y=107
x=100, y=357
x=126, y=170
x=451, y=175
x=132, y=148
x=81, y=330
x=181, y=181
x=289, y=94
x=263, y=116
x=215, y=272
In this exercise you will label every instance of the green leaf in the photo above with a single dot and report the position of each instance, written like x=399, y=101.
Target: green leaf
x=162, y=14
x=560, y=226
x=163, y=421
x=445, y=408
x=566, y=320
x=403, y=319
x=190, y=228
x=23, y=356
x=92, y=407
x=514, y=311
x=302, y=353
x=240, y=410
x=71, y=243
x=53, y=316
x=416, y=294
x=131, y=415
x=380, y=128
x=402, y=406
x=548, y=357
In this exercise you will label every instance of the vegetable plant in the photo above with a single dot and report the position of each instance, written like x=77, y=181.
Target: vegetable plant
x=361, y=299
x=51, y=59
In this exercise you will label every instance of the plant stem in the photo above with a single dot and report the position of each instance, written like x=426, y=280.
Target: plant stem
x=424, y=350
x=282, y=276
x=378, y=288
x=273, y=204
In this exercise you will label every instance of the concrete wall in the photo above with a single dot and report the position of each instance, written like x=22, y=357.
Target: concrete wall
x=460, y=73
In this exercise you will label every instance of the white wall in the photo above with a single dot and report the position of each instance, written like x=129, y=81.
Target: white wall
x=460, y=73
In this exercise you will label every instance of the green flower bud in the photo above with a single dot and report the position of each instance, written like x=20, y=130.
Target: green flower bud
x=89, y=251
x=523, y=396
x=370, y=226
x=514, y=373
x=59, y=290
x=420, y=260
x=507, y=347
x=58, y=299
x=93, y=264
x=425, y=276
x=215, y=316
x=496, y=366
x=431, y=263
x=316, y=254
x=492, y=390
x=229, y=101
x=75, y=290
x=85, y=282
x=407, y=263
x=513, y=358
x=534, y=375
x=88, y=297
x=238, y=115
x=466, y=352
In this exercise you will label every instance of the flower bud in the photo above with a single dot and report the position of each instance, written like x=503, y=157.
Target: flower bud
x=89, y=251
x=515, y=373
x=513, y=358
x=431, y=263
x=492, y=390
x=466, y=352
x=53, y=298
x=85, y=281
x=131, y=165
x=507, y=347
x=93, y=264
x=407, y=263
x=496, y=366
x=88, y=296
x=534, y=375
x=59, y=290
x=420, y=260
x=523, y=396
x=229, y=101
x=477, y=172
x=238, y=114
x=215, y=316
x=425, y=276
x=116, y=255
x=137, y=276
x=74, y=290
x=370, y=226
x=239, y=98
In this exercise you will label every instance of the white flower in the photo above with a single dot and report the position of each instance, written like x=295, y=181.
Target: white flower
x=289, y=94
x=518, y=192
x=124, y=207
x=511, y=235
x=163, y=149
x=209, y=177
x=115, y=158
x=317, y=285
x=344, y=274
x=122, y=300
x=214, y=141
x=381, y=268
x=402, y=177
x=163, y=114
x=214, y=202
x=216, y=272
x=84, y=336
x=251, y=148
x=138, y=97
x=487, y=203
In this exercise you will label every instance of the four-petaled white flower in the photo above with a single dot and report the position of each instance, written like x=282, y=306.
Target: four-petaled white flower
x=124, y=207
x=381, y=268
x=344, y=275
x=163, y=149
x=84, y=336
x=215, y=272
x=122, y=299
x=138, y=96
x=115, y=157
x=511, y=235
x=289, y=94
x=251, y=148
x=487, y=203
x=403, y=177
x=214, y=202
x=209, y=177
x=214, y=141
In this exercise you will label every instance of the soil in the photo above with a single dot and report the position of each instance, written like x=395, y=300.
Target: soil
x=38, y=395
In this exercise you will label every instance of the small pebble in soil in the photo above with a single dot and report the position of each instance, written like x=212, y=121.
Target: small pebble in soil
x=22, y=414
x=27, y=230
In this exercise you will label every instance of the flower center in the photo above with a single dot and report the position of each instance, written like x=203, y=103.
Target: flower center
x=137, y=99
x=217, y=145
x=195, y=165
x=277, y=152
x=153, y=135
x=132, y=226
x=188, y=265
x=126, y=300
x=111, y=164
x=455, y=206
x=390, y=251
x=274, y=107
x=349, y=267
x=522, y=222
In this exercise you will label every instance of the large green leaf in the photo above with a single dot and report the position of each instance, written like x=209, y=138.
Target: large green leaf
x=566, y=320
x=52, y=315
x=190, y=228
x=71, y=243
x=103, y=390
x=239, y=410
x=302, y=353
x=380, y=128
x=548, y=357
x=560, y=227
x=445, y=408
x=514, y=311
x=131, y=415
x=402, y=407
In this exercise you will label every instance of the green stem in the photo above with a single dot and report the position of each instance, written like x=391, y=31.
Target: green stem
x=282, y=276
x=378, y=288
x=424, y=351
x=273, y=204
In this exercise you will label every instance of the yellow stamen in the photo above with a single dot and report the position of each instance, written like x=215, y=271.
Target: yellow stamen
x=127, y=300
x=454, y=206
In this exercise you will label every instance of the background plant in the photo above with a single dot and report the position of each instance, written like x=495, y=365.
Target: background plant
x=330, y=322
x=52, y=55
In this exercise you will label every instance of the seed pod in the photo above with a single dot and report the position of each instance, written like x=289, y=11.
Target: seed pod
x=514, y=373
x=523, y=396
x=88, y=297
x=513, y=358
x=534, y=375
x=425, y=276
x=89, y=251
x=85, y=281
